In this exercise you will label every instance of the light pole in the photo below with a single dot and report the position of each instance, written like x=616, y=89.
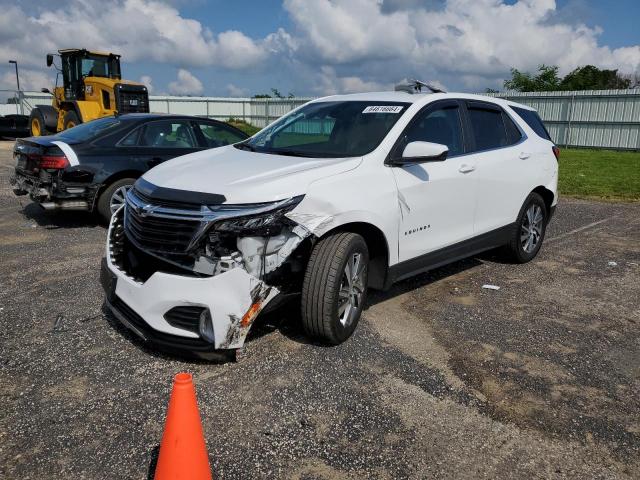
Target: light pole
x=18, y=82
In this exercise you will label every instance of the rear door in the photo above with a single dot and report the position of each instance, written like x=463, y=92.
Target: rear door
x=161, y=140
x=436, y=198
x=502, y=165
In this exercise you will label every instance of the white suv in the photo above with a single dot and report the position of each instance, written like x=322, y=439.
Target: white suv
x=344, y=193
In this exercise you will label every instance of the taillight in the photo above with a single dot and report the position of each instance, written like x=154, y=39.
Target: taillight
x=556, y=152
x=53, y=161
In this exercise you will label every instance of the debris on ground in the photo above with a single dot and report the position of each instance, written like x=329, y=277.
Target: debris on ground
x=490, y=287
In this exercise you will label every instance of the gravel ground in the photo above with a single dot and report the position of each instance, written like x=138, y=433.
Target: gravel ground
x=443, y=379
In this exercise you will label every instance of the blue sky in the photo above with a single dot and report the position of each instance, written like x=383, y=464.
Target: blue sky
x=316, y=47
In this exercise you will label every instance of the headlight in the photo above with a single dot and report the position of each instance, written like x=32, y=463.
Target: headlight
x=264, y=220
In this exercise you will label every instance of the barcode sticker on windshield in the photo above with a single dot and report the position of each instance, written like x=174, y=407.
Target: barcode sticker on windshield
x=383, y=109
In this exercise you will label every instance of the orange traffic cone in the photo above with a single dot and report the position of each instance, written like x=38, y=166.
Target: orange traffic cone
x=183, y=453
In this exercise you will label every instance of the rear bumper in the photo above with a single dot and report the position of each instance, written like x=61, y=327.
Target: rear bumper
x=55, y=194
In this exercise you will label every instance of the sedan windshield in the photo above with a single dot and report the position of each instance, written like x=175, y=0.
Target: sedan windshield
x=86, y=131
x=328, y=129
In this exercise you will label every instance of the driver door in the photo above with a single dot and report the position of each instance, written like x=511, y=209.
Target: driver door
x=437, y=198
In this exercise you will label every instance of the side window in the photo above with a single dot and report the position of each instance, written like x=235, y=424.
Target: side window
x=217, y=135
x=532, y=119
x=131, y=139
x=168, y=134
x=442, y=125
x=488, y=127
x=514, y=135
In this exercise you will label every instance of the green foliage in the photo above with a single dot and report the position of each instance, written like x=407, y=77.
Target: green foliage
x=546, y=80
x=582, y=78
x=605, y=174
x=242, y=125
x=592, y=78
x=275, y=93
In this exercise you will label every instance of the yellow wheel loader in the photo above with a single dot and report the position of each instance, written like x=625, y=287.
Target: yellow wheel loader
x=91, y=88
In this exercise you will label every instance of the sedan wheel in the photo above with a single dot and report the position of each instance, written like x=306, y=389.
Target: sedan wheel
x=118, y=198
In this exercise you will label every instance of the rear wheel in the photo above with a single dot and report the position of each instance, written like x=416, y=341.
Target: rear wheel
x=113, y=197
x=530, y=230
x=71, y=119
x=36, y=123
x=334, y=289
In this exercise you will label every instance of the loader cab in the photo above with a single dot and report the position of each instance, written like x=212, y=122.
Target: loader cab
x=80, y=64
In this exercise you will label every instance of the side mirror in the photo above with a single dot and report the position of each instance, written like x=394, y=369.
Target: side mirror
x=46, y=90
x=49, y=59
x=420, y=152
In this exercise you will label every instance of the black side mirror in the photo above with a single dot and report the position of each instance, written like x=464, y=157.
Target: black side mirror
x=49, y=59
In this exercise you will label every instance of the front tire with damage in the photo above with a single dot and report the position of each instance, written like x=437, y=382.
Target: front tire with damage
x=334, y=288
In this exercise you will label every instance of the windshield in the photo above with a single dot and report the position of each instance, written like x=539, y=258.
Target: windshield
x=329, y=129
x=86, y=131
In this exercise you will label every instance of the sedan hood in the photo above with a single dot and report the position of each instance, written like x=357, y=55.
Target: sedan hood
x=246, y=177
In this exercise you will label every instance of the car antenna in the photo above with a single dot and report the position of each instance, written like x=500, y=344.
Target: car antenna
x=415, y=86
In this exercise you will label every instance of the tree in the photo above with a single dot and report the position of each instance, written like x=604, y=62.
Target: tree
x=545, y=81
x=592, y=78
x=582, y=78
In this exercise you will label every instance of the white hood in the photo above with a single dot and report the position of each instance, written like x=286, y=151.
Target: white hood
x=243, y=176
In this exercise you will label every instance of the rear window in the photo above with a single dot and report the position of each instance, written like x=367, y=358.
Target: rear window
x=534, y=121
x=86, y=131
x=488, y=127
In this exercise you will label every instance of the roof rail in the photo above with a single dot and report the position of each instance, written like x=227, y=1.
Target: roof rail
x=415, y=86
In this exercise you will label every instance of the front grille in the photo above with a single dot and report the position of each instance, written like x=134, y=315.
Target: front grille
x=160, y=234
x=185, y=317
x=131, y=99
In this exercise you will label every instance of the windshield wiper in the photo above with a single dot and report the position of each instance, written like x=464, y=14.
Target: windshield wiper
x=290, y=153
x=245, y=146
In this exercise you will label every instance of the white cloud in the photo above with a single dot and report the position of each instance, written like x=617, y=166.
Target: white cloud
x=329, y=83
x=235, y=91
x=29, y=80
x=148, y=81
x=186, y=84
x=468, y=42
x=140, y=30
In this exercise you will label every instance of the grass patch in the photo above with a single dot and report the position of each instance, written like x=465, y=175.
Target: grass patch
x=603, y=174
x=244, y=126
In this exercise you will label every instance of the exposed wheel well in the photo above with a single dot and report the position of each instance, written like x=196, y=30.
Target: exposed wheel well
x=547, y=196
x=378, y=250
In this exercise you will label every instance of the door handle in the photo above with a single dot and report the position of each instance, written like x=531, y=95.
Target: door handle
x=524, y=155
x=464, y=168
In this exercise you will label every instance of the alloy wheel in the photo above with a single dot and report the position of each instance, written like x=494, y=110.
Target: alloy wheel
x=118, y=198
x=531, y=228
x=352, y=289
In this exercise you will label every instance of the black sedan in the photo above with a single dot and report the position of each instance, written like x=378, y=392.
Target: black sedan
x=90, y=167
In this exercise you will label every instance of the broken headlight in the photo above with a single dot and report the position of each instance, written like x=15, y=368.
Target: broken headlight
x=264, y=221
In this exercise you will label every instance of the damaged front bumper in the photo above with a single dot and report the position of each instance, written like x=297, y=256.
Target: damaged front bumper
x=193, y=313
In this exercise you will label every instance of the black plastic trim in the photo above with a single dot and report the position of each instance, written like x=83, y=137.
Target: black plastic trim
x=450, y=254
x=156, y=193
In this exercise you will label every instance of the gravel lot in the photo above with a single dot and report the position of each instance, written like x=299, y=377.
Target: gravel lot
x=443, y=379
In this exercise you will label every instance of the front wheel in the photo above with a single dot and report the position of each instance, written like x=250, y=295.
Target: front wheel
x=334, y=289
x=37, y=126
x=113, y=197
x=530, y=230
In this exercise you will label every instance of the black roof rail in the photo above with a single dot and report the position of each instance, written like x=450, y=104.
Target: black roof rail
x=415, y=86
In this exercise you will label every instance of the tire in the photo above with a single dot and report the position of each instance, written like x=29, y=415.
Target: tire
x=37, y=127
x=71, y=119
x=519, y=249
x=325, y=314
x=106, y=199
